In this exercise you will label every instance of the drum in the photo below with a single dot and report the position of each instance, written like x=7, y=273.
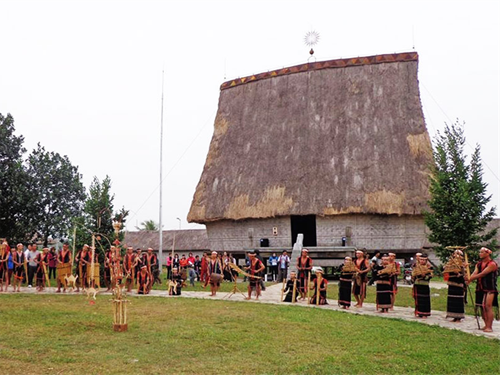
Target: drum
x=215, y=278
x=63, y=270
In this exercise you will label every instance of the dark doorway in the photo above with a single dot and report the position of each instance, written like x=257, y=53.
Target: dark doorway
x=305, y=225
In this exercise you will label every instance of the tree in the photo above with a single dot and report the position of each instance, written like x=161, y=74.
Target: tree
x=57, y=193
x=13, y=189
x=98, y=214
x=148, y=225
x=458, y=197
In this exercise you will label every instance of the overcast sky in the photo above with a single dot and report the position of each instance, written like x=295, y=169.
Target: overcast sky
x=84, y=78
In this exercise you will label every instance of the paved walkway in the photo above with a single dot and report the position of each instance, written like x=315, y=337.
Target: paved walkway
x=272, y=295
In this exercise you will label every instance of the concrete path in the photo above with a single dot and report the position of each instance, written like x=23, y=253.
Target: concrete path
x=272, y=295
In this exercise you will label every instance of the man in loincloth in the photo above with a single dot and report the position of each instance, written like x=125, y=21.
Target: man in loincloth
x=254, y=269
x=486, y=273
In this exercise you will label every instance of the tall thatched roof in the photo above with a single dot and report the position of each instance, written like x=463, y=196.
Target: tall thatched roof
x=326, y=138
x=185, y=240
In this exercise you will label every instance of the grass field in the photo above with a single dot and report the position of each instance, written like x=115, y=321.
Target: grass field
x=54, y=334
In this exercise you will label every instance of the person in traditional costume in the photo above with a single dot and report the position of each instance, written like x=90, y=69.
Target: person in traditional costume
x=4, y=257
x=143, y=281
x=176, y=283
x=361, y=278
x=320, y=286
x=421, y=276
x=129, y=268
x=254, y=269
x=292, y=288
x=19, y=267
x=83, y=259
x=78, y=269
x=204, y=267
x=394, y=277
x=454, y=275
x=139, y=262
x=63, y=267
x=304, y=266
x=347, y=272
x=42, y=261
x=486, y=273
x=383, y=285
x=152, y=263
x=52, y=263
x=214, y=273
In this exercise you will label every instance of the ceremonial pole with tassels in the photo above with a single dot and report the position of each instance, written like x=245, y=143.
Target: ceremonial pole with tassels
x=308, y=286
x=120, y=323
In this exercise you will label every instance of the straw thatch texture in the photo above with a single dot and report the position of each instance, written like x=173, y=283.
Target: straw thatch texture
x=187, y=239
x=324, y=142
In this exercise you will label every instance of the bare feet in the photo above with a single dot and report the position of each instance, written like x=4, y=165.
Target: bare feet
x=487, y=330
x=247, y=298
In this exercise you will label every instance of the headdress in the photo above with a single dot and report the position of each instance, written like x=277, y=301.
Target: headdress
x=485, y=249
x=318, y=269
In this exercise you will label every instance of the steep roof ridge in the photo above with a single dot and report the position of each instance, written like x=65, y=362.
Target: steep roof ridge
x=328, y=64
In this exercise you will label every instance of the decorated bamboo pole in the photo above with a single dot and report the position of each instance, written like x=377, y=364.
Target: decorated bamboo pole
x=308, y=286
x=120, y=323
x=283, y=289
x=92, y=261
x=319, y=279
x=74, y=248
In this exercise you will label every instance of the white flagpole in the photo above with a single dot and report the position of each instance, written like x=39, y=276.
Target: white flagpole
x=160, y=248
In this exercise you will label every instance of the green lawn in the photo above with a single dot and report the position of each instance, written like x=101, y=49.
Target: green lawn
x=52, y=334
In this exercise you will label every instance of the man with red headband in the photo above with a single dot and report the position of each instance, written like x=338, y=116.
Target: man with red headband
x=255, y=268
x=486, y=273
x=360, y=280
x=304, y=267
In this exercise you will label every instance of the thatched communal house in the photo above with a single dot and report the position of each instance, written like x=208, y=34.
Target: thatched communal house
x=329, y=149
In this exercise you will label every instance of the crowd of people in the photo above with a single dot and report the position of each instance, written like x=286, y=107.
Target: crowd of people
x=384, y=273
x=140, y=270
